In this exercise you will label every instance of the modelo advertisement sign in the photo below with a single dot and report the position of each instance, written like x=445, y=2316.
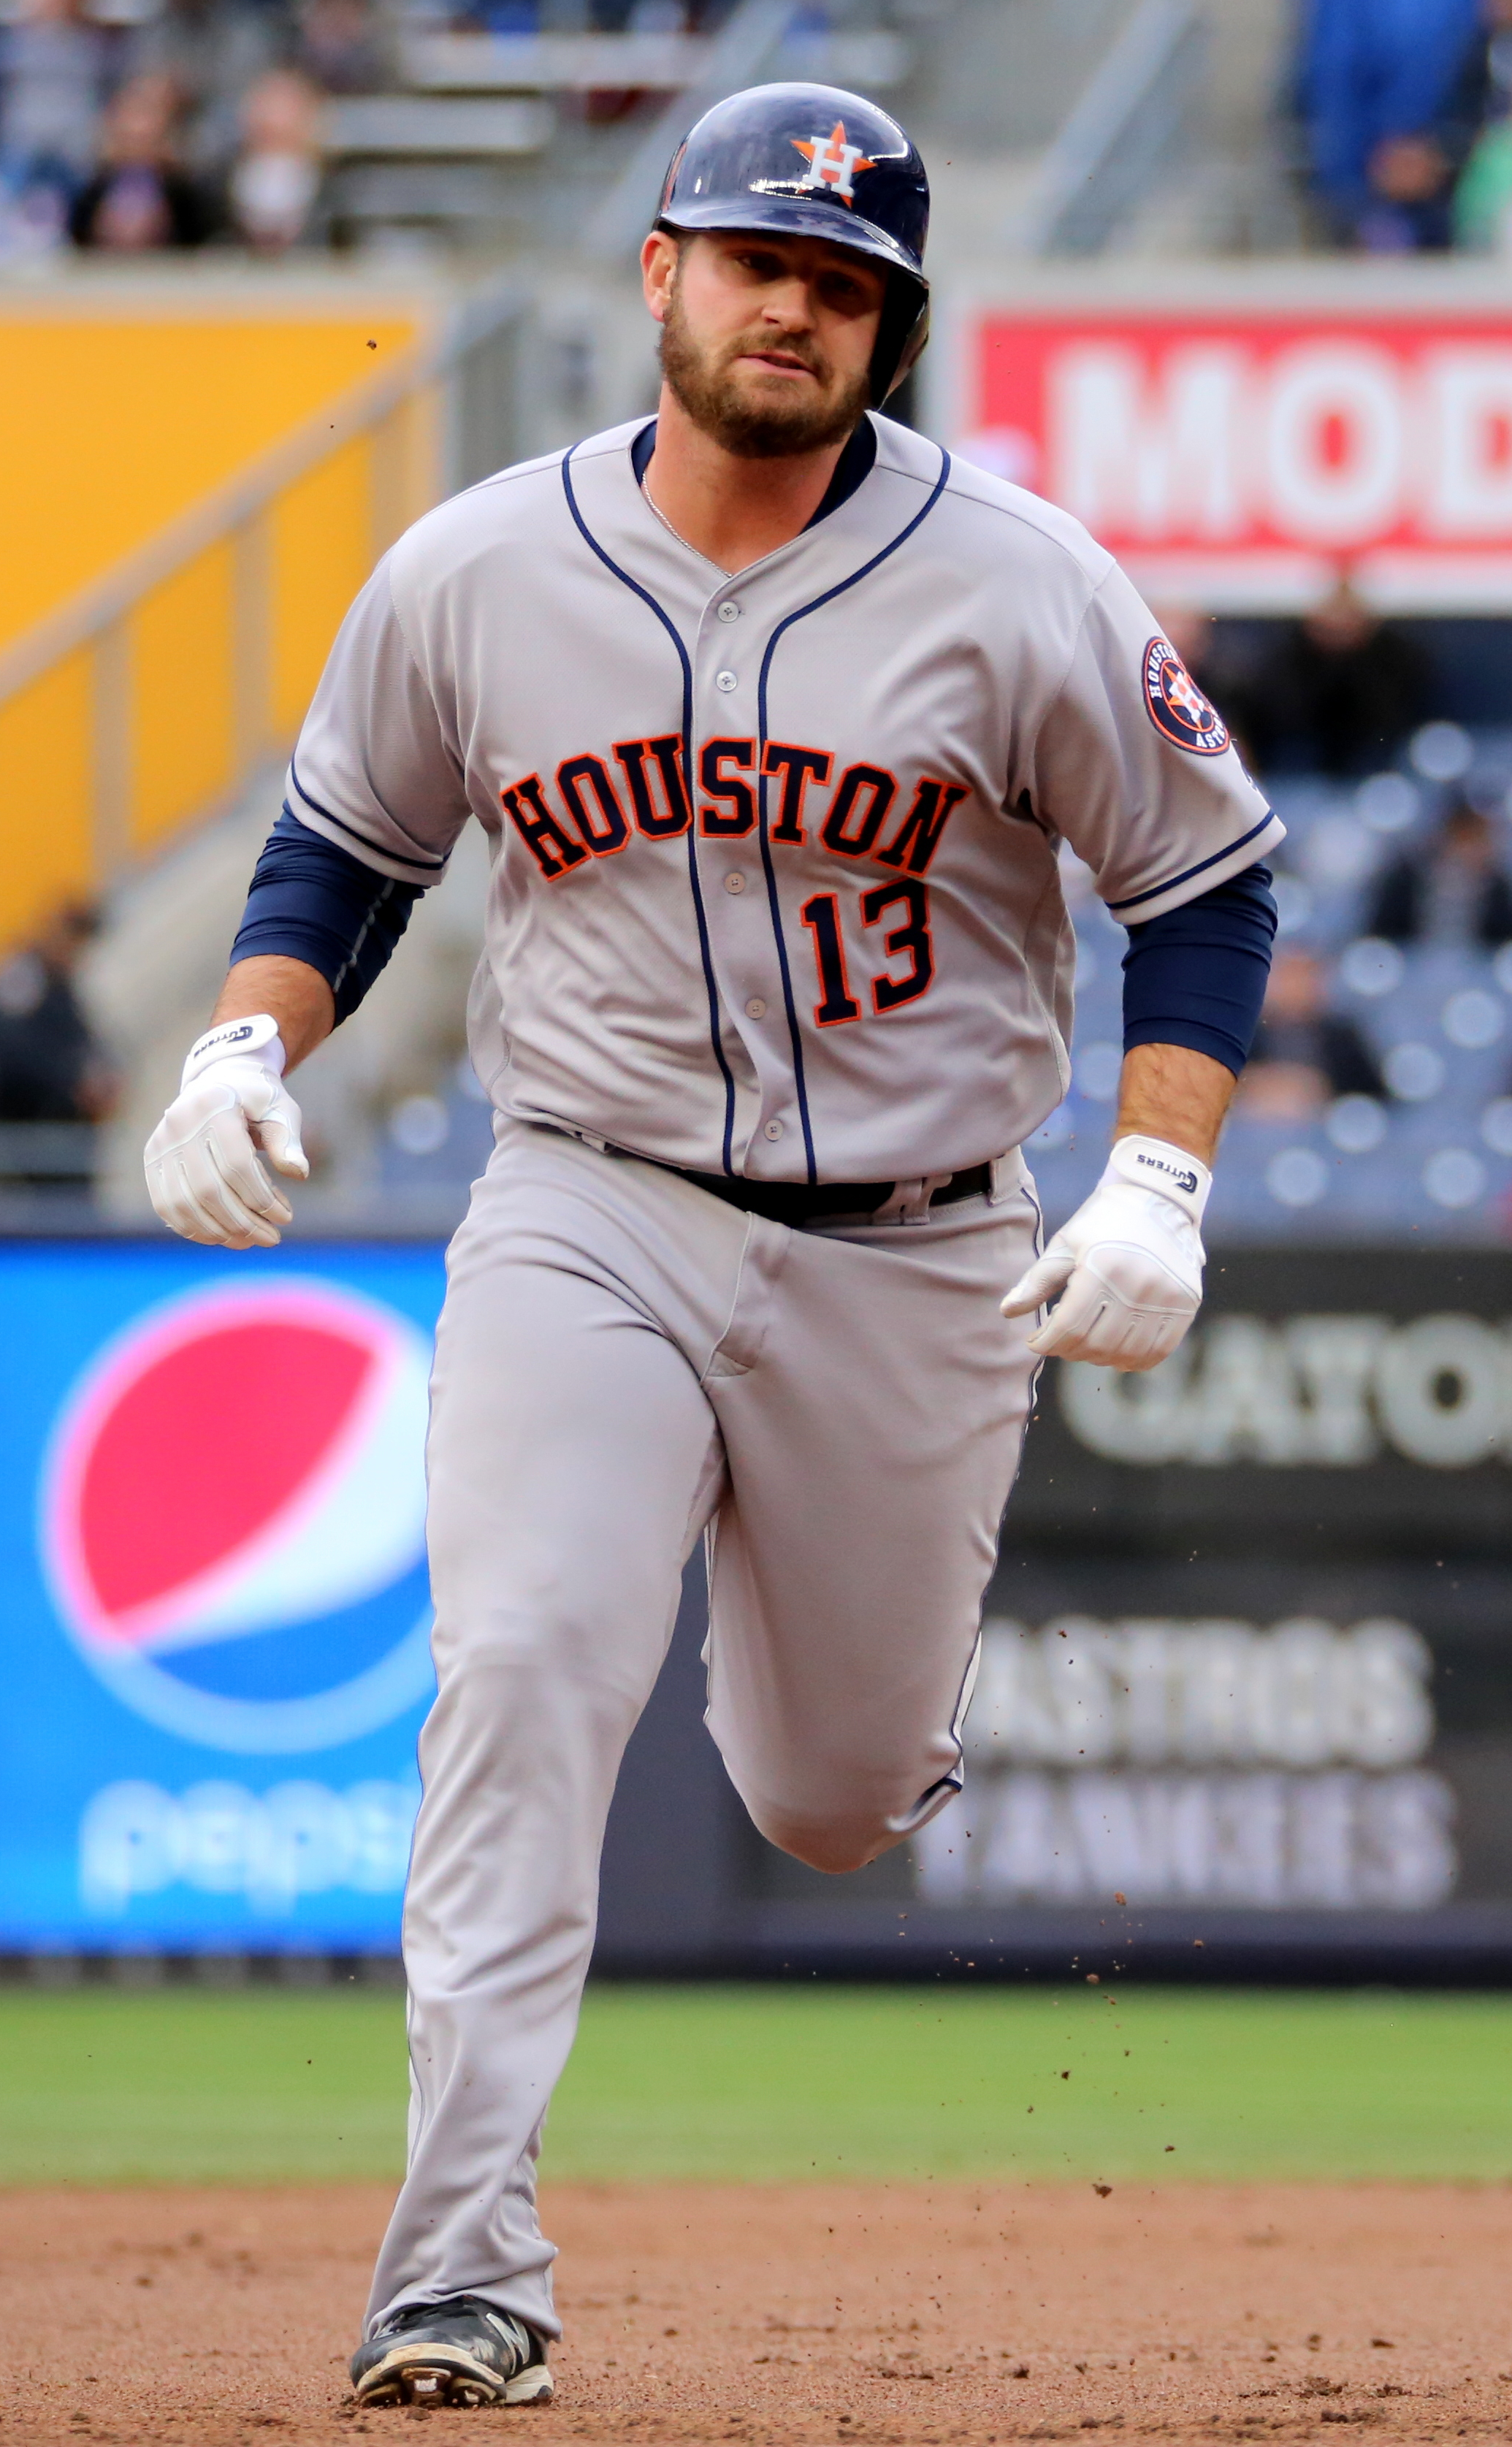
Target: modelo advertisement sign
x=1236, y=443
x=217, y=1604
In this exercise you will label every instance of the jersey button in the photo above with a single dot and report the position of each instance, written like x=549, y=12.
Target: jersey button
x=728, y=612
x=734, y=884
x=771, y=1130
x=725, y=682
x=755, y=1009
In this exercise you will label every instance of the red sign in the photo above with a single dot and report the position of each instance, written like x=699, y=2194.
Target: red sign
x=1245, y=461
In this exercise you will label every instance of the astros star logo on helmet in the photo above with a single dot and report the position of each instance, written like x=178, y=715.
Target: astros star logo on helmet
x=833, y=162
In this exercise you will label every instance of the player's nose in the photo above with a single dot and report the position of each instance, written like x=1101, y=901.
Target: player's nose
x=790, y=303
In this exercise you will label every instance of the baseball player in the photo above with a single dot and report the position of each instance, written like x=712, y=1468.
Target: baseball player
x=776, y=720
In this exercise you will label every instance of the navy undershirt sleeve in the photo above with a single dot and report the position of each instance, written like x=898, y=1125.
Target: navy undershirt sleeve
x=1197, y=975
x=315, y=902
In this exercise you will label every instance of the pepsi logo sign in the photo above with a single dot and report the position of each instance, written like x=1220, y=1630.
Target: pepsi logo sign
x=1177, y=706
x=233, y=1519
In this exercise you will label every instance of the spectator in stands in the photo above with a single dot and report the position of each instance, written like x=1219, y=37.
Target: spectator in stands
x=54, y=78
x=277, y=178
x=1483, y=200
x=1391, y=96
x=1304, y=1053
x=140, y=197
x=1454, y=889
x=1338, y=692
x=50, y=1068
x=214, y=50
x=339, y=46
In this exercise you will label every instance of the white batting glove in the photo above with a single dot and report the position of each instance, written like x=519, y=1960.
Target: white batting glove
x=1129, y=1262
x=203, y=1176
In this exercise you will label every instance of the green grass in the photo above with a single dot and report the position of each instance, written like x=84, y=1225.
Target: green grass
x=761, y=2083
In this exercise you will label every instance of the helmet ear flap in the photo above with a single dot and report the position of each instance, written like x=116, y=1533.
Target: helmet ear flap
x=901, y=335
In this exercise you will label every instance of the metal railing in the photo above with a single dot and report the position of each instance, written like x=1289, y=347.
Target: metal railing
x=404, y=479
x=1122, y=131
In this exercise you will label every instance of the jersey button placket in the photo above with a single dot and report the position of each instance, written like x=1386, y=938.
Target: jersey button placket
x=725, y=694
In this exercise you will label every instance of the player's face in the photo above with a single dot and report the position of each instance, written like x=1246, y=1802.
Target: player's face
x=767, y=342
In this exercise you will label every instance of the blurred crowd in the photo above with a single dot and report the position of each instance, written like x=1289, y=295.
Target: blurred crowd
x=57, y=1081
x=1335, y=698
x=1381, y=1079
x=1335, y=692
x=133, y=125
x=1377, y=1101
x=128, y=125
x=1404, y=112
x=172, y=130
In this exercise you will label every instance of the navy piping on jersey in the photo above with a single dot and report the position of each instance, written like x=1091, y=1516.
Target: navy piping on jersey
x=423, y=865
x=851, y=470
x=703, y=953
x=1154, y=890
x=782, y=626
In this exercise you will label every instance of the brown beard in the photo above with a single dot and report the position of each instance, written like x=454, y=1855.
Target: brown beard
x=754, y=428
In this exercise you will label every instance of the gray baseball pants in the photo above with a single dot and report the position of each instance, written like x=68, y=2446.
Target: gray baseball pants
x=623, y=1361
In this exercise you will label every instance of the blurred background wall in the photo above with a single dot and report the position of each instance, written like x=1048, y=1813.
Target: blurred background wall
x=1229, y=279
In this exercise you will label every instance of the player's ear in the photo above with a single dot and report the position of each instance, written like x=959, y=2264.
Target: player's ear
x=658, y=269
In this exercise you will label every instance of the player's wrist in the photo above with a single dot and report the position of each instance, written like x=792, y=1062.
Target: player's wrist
x=1170, y=1171
x=256, y=1037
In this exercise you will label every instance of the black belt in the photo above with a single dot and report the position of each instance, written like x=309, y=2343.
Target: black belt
x=797, y=1202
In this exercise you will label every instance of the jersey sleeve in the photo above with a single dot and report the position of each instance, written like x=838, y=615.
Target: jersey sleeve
x=1135, y=769
x=377, y=769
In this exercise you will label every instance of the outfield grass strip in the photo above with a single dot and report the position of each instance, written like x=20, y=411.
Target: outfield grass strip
x=748, y=2084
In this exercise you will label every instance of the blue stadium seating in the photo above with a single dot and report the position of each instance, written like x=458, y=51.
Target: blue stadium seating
x=1435, y=1160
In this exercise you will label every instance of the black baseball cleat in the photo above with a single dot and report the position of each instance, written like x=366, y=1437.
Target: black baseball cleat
x=460, y=2352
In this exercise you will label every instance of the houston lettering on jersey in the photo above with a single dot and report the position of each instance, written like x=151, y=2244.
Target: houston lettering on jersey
x=596, y=809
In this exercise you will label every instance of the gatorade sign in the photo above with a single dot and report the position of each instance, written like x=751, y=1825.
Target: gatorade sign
x=1243, y=459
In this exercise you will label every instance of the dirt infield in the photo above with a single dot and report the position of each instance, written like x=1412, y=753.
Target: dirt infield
x=887, y=2313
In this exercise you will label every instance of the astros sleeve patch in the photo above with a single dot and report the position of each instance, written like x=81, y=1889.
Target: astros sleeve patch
x=1177, y=707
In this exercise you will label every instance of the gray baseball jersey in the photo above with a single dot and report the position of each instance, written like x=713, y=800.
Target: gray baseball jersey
x=775, y=888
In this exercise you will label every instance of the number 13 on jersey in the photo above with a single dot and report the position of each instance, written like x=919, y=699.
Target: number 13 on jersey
x=908, y=940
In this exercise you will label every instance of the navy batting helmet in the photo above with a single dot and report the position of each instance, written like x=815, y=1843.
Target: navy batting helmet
x=810, y=162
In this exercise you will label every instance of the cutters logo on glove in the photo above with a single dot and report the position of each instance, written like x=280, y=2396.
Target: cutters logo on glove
x=219, y=1039
x=1181, y=1179
x=1177, y=707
